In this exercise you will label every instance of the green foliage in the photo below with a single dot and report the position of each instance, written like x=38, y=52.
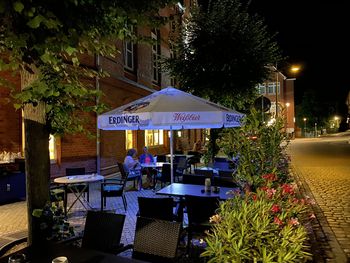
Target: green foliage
x=259, y=148
x=258, y=228
x=48, y=38
x=53, y=223
x=222, y=54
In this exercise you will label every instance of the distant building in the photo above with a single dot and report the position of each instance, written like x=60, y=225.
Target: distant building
x=284, y=98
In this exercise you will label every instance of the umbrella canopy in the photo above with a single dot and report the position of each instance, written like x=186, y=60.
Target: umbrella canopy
x=169, y=109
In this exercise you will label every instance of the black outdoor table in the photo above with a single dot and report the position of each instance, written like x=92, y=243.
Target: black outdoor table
x=47, y=252
x=181, y=190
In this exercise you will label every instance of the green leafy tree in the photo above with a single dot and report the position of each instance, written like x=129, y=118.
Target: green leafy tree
x=44, y=42
x=222, y=53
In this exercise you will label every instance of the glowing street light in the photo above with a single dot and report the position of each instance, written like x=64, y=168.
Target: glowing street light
x=304, y=119
x=295, y=68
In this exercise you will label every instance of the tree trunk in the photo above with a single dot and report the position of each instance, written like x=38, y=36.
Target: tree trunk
x=37, y=159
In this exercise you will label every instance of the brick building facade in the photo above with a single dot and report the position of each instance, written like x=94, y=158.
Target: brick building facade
x=133, y=74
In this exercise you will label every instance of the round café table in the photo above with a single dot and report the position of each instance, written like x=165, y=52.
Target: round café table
x=73, y=180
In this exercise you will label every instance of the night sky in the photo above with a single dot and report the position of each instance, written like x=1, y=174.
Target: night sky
x=316, y=35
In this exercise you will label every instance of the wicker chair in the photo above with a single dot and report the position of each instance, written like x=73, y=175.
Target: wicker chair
x=103, y=231
x=156, y=240
x=199, y=210
x=113, y=188
x=157, y=208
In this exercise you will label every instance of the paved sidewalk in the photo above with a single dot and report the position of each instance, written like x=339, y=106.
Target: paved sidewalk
x=13, y=217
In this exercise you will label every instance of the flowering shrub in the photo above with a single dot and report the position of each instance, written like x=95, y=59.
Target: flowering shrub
x=259, y=227
x=260, y=148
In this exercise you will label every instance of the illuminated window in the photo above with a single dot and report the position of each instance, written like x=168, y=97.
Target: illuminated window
x=154, y=137
x=52, y=147
x=128, y=139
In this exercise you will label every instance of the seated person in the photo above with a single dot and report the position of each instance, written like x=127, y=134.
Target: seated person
x=132, y=165
x=147, y=157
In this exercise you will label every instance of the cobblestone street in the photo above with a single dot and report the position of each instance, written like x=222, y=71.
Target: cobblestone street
x=322, y=165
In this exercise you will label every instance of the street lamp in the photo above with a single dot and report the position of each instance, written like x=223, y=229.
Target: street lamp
x=304, y=119
x=287, y=106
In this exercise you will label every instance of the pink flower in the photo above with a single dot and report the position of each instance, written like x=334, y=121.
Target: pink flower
x=287, y=189
x=254, y=197
x=270, y=177
x=277, y=221
x=275, y=208
x=270, y=192
x=293, y=221
x=312, y=216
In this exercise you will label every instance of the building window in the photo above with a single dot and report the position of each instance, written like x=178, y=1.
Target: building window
x=156, y=76
x=52, y=148
x=172, y=79
x=129, y=139
x=261, y=88
x=154, y=137
x=129, y=53
x=271, y=88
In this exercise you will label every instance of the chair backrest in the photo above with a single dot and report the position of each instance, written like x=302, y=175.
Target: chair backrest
x=122, y=170
x=158, y=208
x=226, y=173
x=182, y=163
x=166, y=172
x=161, y=158
x=103, y=231
x=193, y=179
x=75, y=171
x=156, y=240
x=207, y=173
x=221, y=165
x=178, y=157
x=200, y=209
x=220, y=159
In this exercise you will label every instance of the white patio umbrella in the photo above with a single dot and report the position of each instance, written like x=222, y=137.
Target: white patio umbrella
x=169, y=109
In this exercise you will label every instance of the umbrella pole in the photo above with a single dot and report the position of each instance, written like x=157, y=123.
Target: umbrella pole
x=171, y=156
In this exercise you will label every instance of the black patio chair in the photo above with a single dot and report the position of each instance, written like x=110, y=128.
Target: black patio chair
x=181, y=167
x=165, y=175
x=79, y=187
x=225, y=179
x=199, y=210
x=113, y=188
x=103, y=232
x=193, y=179
x=221, y=165
x=194, y=160
x=161, y=158
x=207, y=173
x=157, y=208
x=128, y=176
x=156, y=240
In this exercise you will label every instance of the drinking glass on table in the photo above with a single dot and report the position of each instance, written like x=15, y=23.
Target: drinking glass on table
x=18, y=258
x=60, y=260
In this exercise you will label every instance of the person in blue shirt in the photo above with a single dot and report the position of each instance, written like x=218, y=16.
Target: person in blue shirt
x=147, y=157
